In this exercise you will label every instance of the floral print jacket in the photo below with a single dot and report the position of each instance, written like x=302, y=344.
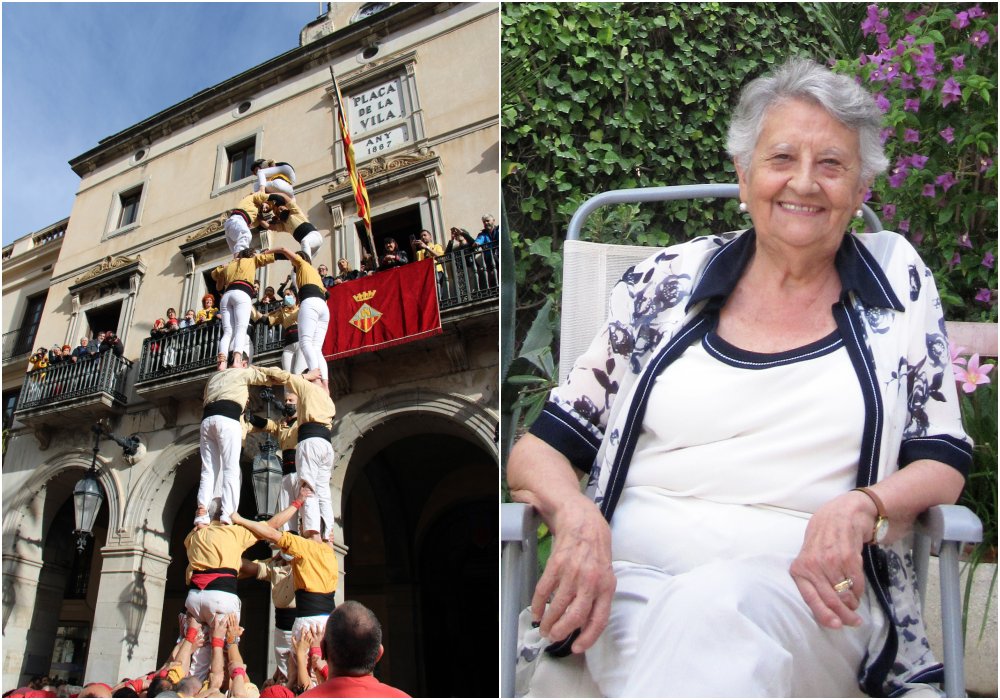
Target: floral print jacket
x=889, y=316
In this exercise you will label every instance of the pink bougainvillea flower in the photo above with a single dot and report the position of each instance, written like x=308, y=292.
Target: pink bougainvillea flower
x=885, y=134
x=973, y=374
x=958, y=62
x=918, y=161
x=985, y=164
x=929, y=191
x=984, y=296
x=988, y=260
x=979, y=39
x=882, y=102
x=947, y=180
x=963, y=240
x=911, y=105
x=948, y=134
x=975, y=12
x=955, y=261
x=956, y=353
x=906, y=81
x=951, y=91
x=904, y=225
x=889, y=211
x=928, y=83
x=961, y=20
x=897, y=178
x=911, y=136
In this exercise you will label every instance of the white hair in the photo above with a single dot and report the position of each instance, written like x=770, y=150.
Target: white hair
x=804, y=79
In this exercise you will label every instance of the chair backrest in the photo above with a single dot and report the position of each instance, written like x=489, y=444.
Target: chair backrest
x=591, y=270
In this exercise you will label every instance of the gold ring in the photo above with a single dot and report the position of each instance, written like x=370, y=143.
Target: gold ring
x=845, y=585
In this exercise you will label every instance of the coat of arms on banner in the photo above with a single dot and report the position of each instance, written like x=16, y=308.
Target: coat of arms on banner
x=365, y=318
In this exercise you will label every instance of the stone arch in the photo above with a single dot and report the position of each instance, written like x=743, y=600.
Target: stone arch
x=75, y=460
x=147, y=497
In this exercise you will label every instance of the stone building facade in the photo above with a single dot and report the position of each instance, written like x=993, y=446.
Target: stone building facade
x=416, y=473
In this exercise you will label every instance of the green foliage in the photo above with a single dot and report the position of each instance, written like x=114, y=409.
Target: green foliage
x=626, y=95
x=934, y=69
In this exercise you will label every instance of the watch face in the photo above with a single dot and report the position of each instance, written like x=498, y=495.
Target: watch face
x=881, y=530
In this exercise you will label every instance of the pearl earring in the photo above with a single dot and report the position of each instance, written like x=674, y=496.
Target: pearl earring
x=743, y=207
x=858, y=214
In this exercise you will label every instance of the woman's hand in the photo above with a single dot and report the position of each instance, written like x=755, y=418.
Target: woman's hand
x=578, y=579
x=830, y=554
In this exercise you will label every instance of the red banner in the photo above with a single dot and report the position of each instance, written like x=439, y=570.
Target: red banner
x=381, y=310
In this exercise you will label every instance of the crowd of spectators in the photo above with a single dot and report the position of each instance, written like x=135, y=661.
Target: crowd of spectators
x=337, y=662
x=88, y=349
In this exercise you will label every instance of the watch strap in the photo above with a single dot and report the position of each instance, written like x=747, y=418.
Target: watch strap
x=879, y=506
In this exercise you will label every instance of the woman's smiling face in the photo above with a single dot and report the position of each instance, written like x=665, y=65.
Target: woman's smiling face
x=804, y=182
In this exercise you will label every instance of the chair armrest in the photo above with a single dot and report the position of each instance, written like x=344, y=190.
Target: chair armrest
x=949, y=524
x=519, y=562
x=518, y=522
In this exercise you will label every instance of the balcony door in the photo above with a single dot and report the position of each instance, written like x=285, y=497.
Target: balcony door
x=29, y=327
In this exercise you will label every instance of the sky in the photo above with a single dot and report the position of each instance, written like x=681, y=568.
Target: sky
x=75, y=73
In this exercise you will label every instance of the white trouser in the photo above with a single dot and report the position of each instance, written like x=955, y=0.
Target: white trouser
x=219, y=487
x=286, y=494
x=311, y=242
x=735, y=627
x=237, y=233
x=314, y=319
x=314, y=464
x=234, y=314
x=282, y=649
x=205, y=605
x=291, y=358
x=315, y=622
x=276, y=185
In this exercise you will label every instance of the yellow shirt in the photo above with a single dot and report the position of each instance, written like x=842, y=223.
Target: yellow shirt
x=251, y=205
x=288, y=435
x=240, y=270
x=436, y=249
x=217, y=546
x=315, y=405
x=282, y=584
x=287, y=316
x=233, y=384
x=305, y=273
x=314, y=568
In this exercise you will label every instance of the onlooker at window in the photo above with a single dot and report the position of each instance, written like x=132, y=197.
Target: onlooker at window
x=55, y=355
x=269, y=296
x=346, y=274
x=425, y=247
x=67, y=354
x=158, y=330
x=367, y=265
x=324, y=272
x=188, y=321
x=486, y=236
x=207, y=311
x=172, y=323
x=393, y=256
x=460, y=238
x=113, y=343
x=82, y=351
x=38, y=360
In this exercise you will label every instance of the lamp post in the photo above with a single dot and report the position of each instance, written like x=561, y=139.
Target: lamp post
x=87, y=497
x=267, y=472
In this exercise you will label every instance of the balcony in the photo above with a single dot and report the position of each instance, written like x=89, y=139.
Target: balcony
x=77, y=391
x=472, y=275
x=17, y=345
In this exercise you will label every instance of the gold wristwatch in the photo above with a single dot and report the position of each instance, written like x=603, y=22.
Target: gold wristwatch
x=881, y=528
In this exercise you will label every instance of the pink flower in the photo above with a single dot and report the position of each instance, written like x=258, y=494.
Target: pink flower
x=975, y=12
x=958, y=62
x=897, y=177
x=955, y=261
x=928, y=82
x=911, y=136
x=956, y=353
x=882, y=102
x=904, y=225
x=948, y=134
x=979, y=39
x=929, y=191
x=984, y=296
x=889, y=211
x=988, y=260
x=972, y=375
x=918, y=161
x=912, y=105
x=885, y=134
x=985, y=164
x=946, y=181
x=963, y=240
x=951, y=91
x=961, y=20
x=906, y=81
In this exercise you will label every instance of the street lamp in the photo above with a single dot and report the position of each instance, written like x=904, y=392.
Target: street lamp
x=87, y=498
x=267, y=472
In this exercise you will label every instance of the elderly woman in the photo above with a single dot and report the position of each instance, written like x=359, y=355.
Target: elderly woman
x=763, y=417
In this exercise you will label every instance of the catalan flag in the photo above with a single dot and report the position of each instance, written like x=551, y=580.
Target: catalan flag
x=357, y=182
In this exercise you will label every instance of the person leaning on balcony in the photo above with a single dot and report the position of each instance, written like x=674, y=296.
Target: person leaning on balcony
x=236, y=280
x=425, y=247
x=345, y=273
x=460, y=238
x=188, y=321
x=82, y=351
x=743, y=387
x=113, y=343
x=38, y=359
x=208, y=311
x=214, y=554
x=314, y=314
x=393, y=256
x=324, y=273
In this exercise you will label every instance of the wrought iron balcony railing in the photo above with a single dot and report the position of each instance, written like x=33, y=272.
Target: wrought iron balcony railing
x=102, y=374
x=471, y=274
x=17, y=344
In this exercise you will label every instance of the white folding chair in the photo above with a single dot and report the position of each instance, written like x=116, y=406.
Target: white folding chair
x=590, y=271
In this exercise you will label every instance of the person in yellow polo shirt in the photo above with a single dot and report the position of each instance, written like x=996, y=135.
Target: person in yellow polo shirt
x=314, y=573
x=236, y=278
x=314, y=314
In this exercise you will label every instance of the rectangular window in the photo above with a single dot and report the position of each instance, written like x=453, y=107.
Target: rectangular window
x=240, y=159
x=9, y=404
x=130, y=207
x=29, y=326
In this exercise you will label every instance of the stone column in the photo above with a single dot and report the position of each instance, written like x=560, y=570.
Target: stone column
x=20, y=588
x=125, y=635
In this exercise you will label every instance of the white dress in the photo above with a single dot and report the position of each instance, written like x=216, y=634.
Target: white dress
x=713, y=512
